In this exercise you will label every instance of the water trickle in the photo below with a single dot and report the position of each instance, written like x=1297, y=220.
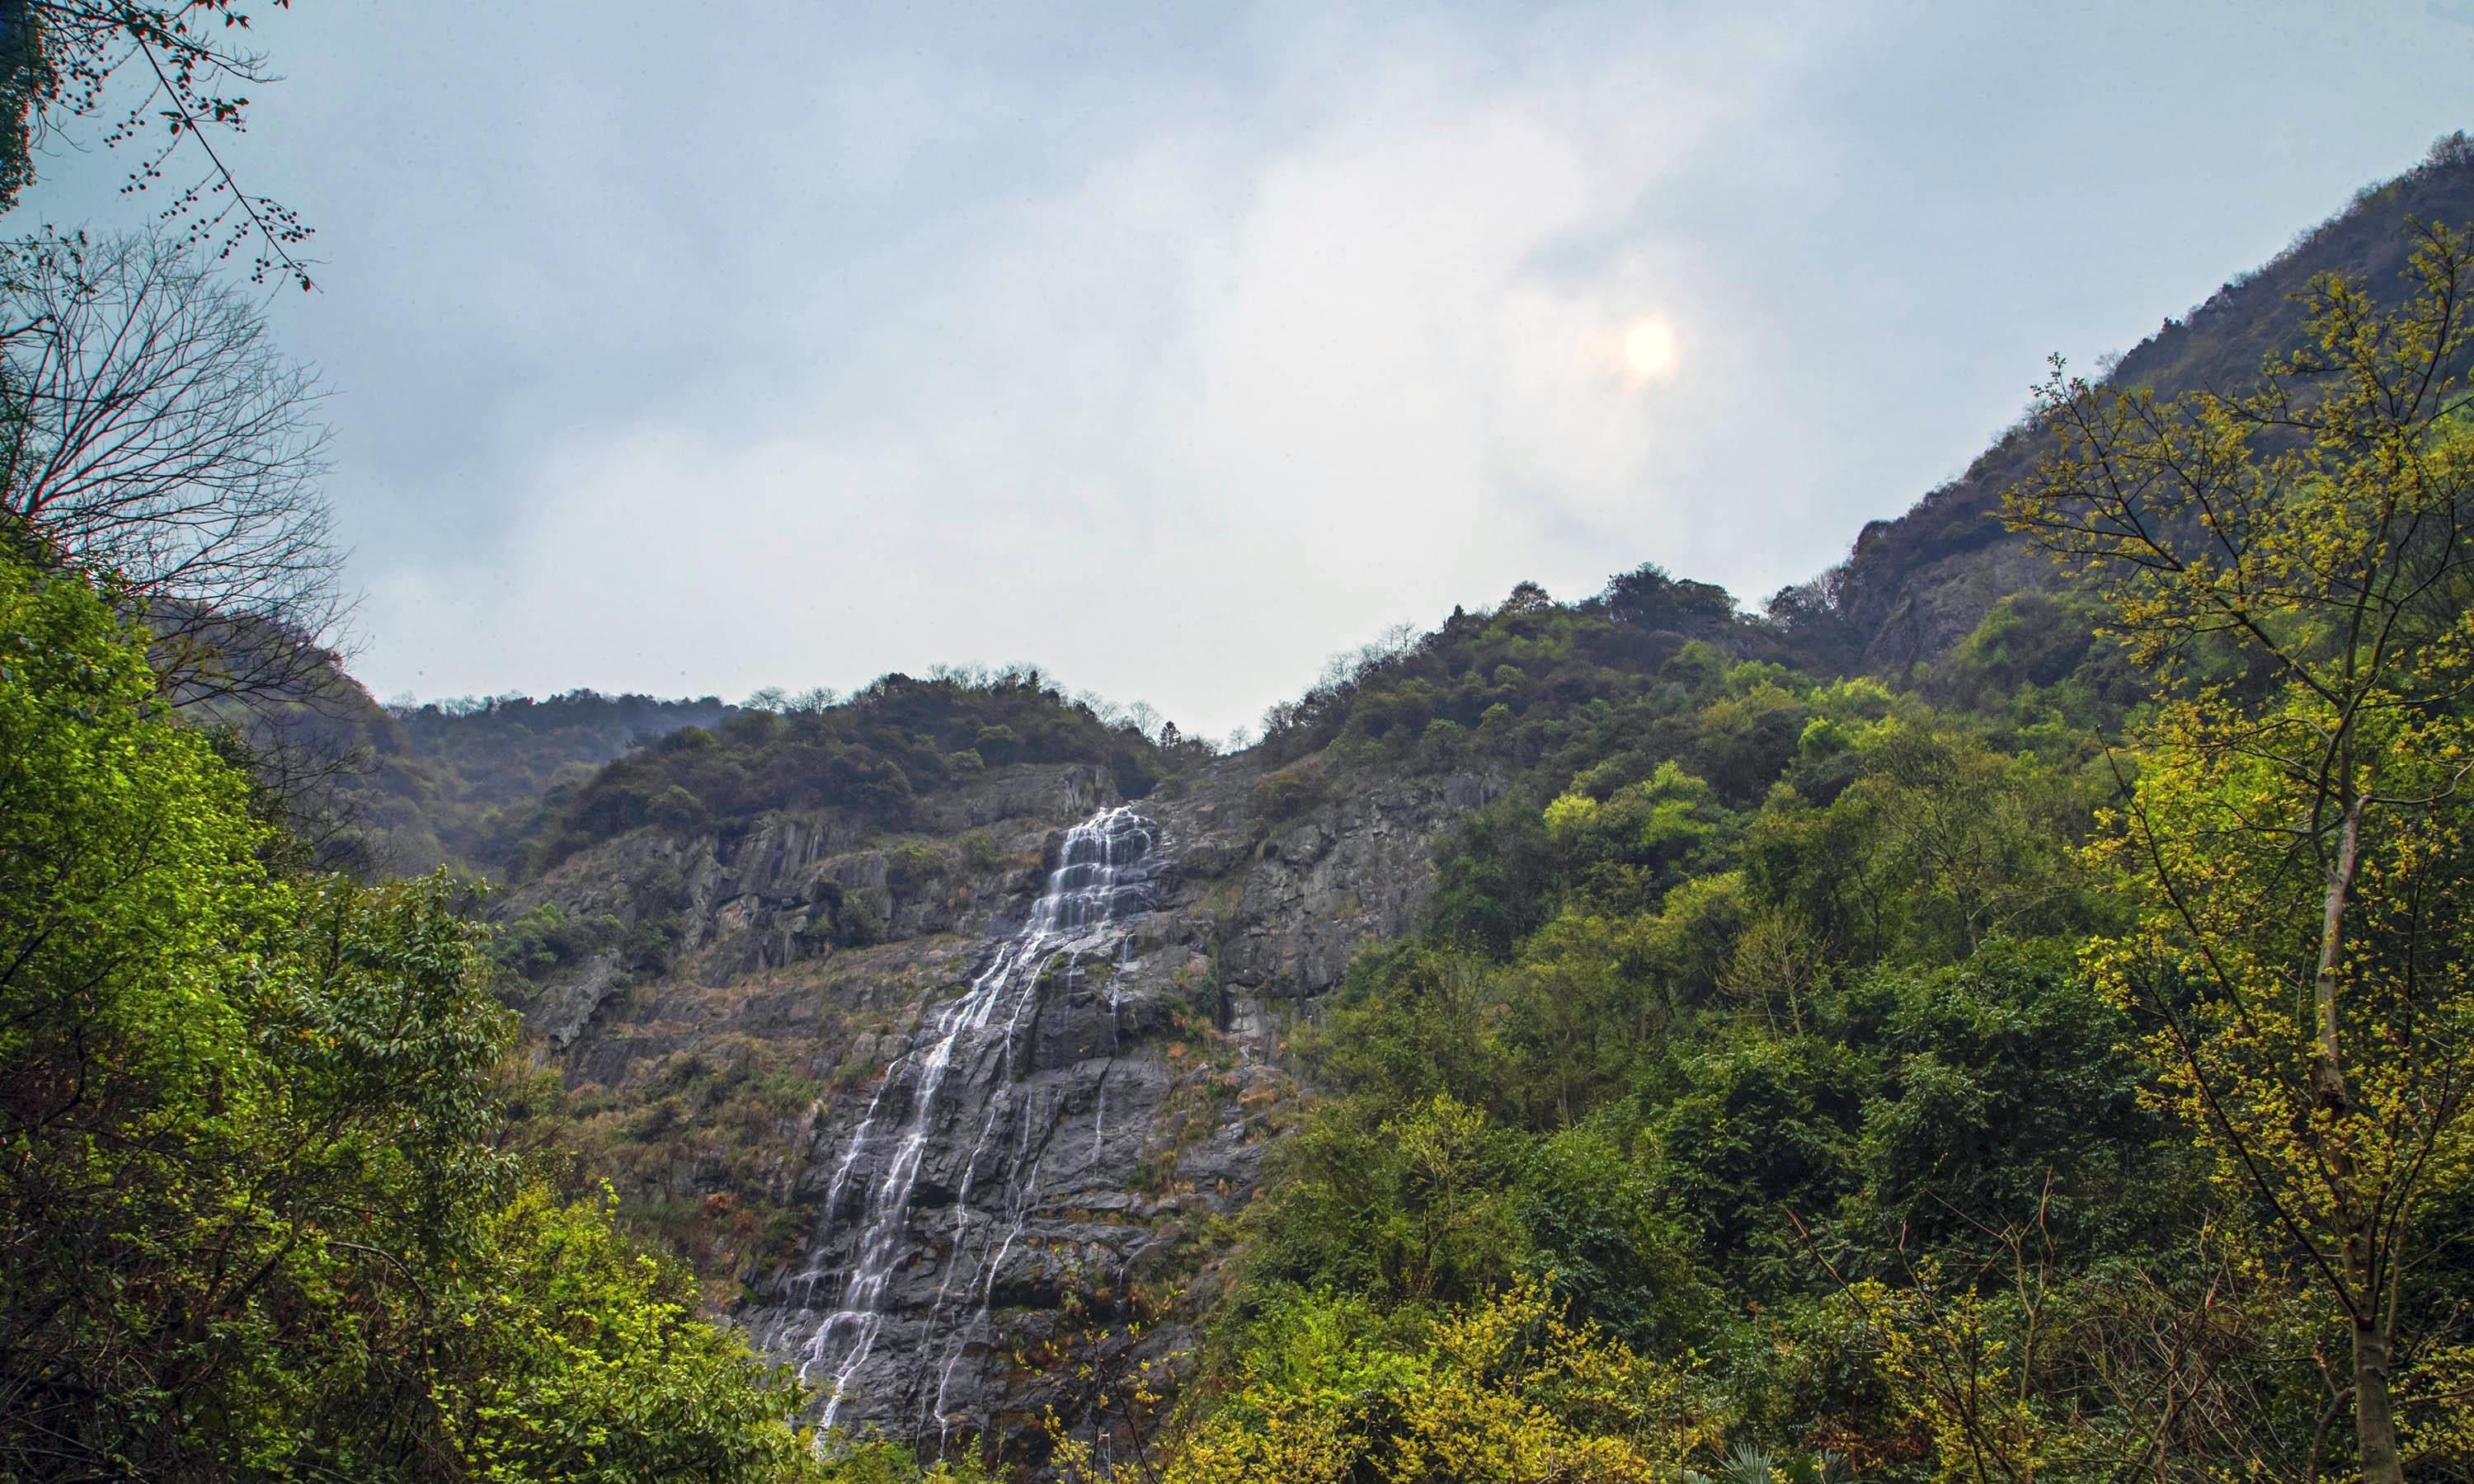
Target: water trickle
x=1105, y=873
x=1116, y=1017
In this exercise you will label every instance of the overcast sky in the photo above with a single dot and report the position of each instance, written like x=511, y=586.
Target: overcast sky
x=696, y=348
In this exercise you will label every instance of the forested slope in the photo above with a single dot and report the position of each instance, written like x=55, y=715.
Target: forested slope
x=1915, y=584
x=2064, y=1075
x=1603, y=1037
x=263, y=1221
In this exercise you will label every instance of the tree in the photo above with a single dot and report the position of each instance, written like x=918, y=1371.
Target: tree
x=1506, y=1388
x=242, y=1109
x=574, y=1326
x=1649, y=596
x=150, y=429
x=254, y=1219
x=59, y=60
x=2291, y=570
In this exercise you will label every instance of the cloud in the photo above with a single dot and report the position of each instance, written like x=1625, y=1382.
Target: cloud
x=1179, y=347
x=1240, y=391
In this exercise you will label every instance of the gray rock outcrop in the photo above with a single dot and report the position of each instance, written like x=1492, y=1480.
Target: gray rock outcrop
x=1016, y=1207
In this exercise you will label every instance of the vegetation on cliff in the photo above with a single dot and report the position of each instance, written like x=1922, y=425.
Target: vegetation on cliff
x=1817, y=1079
x=867, y=757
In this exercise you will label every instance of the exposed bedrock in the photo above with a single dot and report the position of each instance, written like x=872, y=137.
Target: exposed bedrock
x=1047, y=1027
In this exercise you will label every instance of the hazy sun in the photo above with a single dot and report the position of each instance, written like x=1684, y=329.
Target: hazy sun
x=1649, y=349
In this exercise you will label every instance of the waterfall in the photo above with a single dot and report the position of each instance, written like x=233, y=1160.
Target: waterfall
x=1105, y=873
x=1116, y=1019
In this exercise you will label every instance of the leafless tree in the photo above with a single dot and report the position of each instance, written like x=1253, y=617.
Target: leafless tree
x=150, y=429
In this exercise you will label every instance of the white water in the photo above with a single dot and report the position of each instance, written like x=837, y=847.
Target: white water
x=1104, y=871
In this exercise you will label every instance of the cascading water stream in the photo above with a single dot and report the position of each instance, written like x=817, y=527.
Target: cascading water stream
x=1104, y=873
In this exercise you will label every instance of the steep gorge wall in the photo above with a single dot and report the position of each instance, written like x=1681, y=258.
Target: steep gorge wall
x=1072, y=1162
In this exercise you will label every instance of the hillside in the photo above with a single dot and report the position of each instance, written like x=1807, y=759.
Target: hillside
x=974, y=1048
x=469, y=782
x=1686, y=988
x=1915, y=585
x=403, y=790
x=741, y=971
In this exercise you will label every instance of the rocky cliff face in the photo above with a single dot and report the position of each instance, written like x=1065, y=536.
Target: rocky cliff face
x=1042, y=1065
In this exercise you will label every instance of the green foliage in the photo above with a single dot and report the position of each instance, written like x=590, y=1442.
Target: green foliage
x=2036, y=648
x=254, y=1218
x=1648, y=597
x=576, y=1357
x=545, y=938
x=1288, y=793
x=1326, y=1388
x=869, y=757
x=1761, y=990
x=1517, y=686
x=877, y=1461
x=466, y=782
x=1843, y=1037
x=2292, y=573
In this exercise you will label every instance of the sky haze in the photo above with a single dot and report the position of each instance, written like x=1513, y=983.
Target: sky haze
x=695, y=349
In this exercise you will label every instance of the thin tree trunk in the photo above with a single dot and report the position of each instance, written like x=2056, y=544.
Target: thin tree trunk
x=2332, y=939
x=2374, y=1415
x=2374, y=1418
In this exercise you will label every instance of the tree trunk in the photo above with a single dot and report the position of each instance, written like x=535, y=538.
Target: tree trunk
x=2331, y=1069
x=2374, y=1418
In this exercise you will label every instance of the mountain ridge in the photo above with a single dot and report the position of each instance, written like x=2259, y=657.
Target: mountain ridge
x=1915, y=584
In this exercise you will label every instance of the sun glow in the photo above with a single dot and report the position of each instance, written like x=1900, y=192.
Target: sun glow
x=1649, y=349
